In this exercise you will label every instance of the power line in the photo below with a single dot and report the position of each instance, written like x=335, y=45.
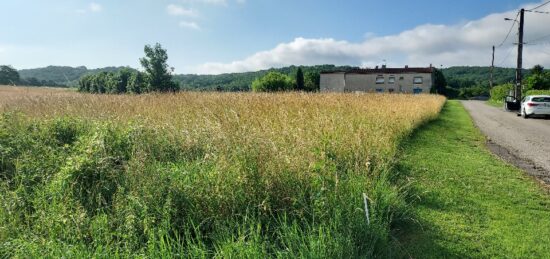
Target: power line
x=532, y=9
x=506, y=57
x=541, y=12
x=538, y=39
x=509, y=31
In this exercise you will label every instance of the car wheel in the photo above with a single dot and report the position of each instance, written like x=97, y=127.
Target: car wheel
x=524, y=114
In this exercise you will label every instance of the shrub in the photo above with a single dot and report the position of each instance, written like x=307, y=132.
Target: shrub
x=273, y=82
x=499, y=92
x=538, y=92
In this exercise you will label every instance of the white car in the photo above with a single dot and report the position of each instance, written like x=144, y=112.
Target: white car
x=535, y=105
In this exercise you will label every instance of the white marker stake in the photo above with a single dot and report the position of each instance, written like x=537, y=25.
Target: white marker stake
x=365, y=198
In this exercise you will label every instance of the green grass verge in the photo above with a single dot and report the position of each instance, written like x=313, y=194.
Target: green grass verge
x=494, y=103
x=468, y=202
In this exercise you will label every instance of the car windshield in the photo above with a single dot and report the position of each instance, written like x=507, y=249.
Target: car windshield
x=541, y=99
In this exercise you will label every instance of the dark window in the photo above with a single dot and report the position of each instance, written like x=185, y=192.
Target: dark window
x=541, y=99
x=417, y=90
x=379, y=90
x=391, y=90
x=380, y=79
x=391, y=80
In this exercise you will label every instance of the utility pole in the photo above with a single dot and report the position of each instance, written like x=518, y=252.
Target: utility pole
x=520, y=57
x=492, y=68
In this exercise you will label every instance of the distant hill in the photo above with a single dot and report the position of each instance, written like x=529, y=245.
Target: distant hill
x=457, y=77
x=465, y=77
x=243, y=81
x=62, y=75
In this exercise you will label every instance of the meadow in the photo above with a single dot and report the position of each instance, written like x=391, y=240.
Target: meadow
x=203, y=174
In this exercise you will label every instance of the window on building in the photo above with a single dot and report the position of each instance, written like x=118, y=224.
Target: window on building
x=391, y=80
x=379, y=90
x=391, y=90
x=417, y=90
x=401, y=78
x=380, y=79
x=418, y=80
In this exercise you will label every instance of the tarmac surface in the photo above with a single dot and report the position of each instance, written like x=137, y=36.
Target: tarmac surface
x=524, y=143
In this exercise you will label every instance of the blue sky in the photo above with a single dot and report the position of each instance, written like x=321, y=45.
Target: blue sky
x=217, y=36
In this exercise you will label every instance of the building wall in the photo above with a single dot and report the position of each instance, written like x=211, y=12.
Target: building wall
x=367, y=82
x=334, y=82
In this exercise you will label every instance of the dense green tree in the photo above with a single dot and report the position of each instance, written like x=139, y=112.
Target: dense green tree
x=158, y=72
x=272, y=82
x=440, y=83
x=137, y=83
x=312, y=81
x=300, y=84
x=537, y=69
x=537, y=81
x=8, y=75
x=85, y=83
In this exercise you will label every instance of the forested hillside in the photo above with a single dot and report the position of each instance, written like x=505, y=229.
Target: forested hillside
x=243, y=81
x=465, y=77
x=62, y=75
x=462, y=79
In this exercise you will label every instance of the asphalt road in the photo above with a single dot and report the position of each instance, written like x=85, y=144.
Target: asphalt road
x=525, y=143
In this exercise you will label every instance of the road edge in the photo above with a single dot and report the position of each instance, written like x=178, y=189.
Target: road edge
x=508, y=156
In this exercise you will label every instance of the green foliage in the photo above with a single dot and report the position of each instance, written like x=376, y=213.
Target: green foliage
x=466, y=77
x=538, y=81
x=123, y=81
x=537, y=69
x=300, y=84
x=440, y=83
x=8, y=75
x=312, y=81
x=243, y=81
x=60, y=75
x=273, y=82
x=499, y=92
x=158, y=72
x=137, y=83
x=73, y=187
x=538, y=92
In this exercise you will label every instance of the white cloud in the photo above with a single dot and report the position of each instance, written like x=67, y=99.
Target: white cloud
x=92, y=7
x=177, y=10
x=459, y=44
x=190, y=25
x=211, y=2
x=95, y=7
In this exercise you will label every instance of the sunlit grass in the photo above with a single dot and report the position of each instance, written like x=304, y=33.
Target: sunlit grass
x=202, y=174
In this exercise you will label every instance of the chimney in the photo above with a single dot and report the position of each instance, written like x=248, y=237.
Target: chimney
x=406, y=66
x=431, y=65
x=376, y=67
x=383, y=66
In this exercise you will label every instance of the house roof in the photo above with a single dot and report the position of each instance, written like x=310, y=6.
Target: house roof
x=427, y=70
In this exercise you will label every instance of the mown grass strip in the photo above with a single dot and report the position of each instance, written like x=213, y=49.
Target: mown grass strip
x=468, y=202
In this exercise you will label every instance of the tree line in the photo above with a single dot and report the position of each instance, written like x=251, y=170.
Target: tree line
x=537, y=79
x=10, y=76
x=275, y=81
x=157, y=76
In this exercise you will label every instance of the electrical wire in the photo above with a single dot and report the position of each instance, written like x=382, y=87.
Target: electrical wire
x=539, y=6
x=506, y=58
x=538, y=39
x=509, y=31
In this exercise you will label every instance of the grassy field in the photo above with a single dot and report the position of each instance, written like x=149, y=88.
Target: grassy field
x=203, y=174
x=470, y=204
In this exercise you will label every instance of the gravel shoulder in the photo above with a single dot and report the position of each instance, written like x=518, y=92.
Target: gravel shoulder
x=524, y=143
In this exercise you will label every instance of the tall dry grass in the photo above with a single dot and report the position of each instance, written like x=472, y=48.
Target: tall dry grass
x=232, y=174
